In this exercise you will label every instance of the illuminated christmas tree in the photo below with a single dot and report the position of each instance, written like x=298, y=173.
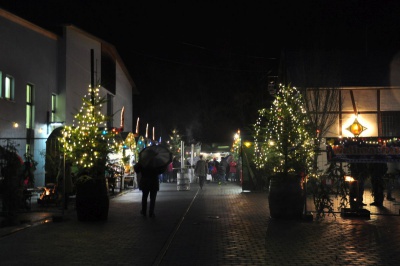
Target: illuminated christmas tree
x=282, y=139
x=236, y=146
x=175, y=143
x=88, y=141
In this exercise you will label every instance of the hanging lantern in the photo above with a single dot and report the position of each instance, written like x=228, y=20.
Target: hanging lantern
x=356, y=128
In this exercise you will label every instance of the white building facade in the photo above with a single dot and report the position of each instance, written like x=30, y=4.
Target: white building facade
x=44, y=77
x=368, y=121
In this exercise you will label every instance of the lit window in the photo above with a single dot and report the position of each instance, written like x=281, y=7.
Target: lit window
x=53, y=107
x=1, y=84
x=110, y=108
x=29, y=106
x=9, y=88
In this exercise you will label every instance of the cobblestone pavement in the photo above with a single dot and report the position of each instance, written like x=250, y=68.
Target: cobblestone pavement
x=219, y=225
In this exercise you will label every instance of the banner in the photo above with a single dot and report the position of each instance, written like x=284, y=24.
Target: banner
x=363, y=151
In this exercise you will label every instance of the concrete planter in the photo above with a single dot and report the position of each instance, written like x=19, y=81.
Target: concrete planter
x=286, y=197
x=92, y=200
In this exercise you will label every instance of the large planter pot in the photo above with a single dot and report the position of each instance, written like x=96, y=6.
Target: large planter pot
x=286, y=197
x=92, y=200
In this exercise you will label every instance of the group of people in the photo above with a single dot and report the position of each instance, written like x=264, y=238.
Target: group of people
x=222, y=171
x=149, y=181
x=170, y=174
x=382, y=176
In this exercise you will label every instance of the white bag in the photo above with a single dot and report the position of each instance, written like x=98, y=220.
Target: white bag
x=209, y=177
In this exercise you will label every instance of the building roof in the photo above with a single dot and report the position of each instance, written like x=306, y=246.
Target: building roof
x=56, y=33
x=112, y=51
x=12, y=17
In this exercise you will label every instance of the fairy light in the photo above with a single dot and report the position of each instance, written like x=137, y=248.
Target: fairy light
x=237, y=142
x=282, y=127
x=175, y=142
x=83, y=142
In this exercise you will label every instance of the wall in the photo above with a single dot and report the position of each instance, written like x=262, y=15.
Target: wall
x=29, y=54
x=52, y=64
x=366, y=101
x=123, y=98
x=78, y=71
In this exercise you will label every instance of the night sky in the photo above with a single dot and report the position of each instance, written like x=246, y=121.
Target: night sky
x=203, y=66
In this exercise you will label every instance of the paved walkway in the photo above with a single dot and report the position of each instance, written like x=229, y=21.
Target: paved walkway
x=219, y=225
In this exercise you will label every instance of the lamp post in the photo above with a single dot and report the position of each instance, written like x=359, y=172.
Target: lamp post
x=241, y=159
x=57, y=217
x=63, y=196
x=64, y=190
x=238, y=143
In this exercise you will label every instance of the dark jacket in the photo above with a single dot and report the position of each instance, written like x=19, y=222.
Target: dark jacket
x=176, y=165
x=149, y=179
x=222, y=167
x=378, y=169
x=201, y=168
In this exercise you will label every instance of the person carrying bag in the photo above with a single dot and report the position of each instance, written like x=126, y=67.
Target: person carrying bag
x=201, y=170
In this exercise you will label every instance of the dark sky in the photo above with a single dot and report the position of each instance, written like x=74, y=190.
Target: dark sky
x=202, y=66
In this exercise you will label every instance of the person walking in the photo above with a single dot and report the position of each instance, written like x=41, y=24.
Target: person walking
x=209, y=169
x=170, y=173
x=201, y=170
x=149, y=185
x=232, y=171
x=214, y=170
x=378, y=170
x=222, y=171
x=390, y=178
x=176, y=164
x=360, y=173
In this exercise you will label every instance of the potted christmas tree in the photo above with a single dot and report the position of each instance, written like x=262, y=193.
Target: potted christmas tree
x=86, y=145
x=283, y=148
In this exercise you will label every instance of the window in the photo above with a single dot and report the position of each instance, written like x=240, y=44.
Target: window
x=9, y=88
x=1, y=84
x=390, y=124
x=53, y=107
x=29, y=106
x=110, y=108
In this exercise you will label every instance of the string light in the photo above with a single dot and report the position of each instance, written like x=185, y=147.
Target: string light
x=88, y=140
x=281, y=138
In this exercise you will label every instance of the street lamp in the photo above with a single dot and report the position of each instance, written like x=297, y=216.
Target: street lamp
x=237, y=142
